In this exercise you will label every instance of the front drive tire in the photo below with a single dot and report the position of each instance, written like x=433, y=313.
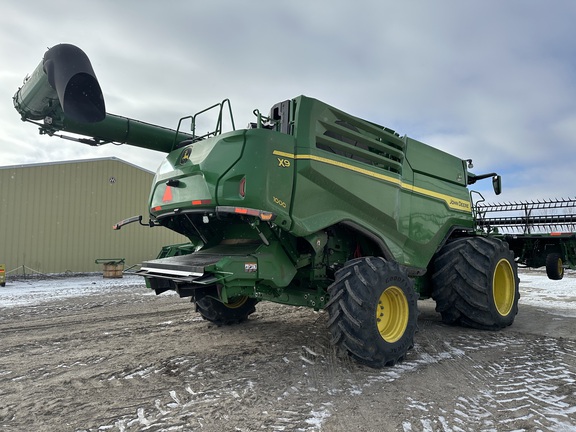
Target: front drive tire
x=235, y=311
x=475, y=283
x=373, y=311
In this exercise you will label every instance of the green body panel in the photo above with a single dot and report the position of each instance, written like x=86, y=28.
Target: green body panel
x=383, y=194
x=309, y=189
x=214, y=168
x=274, y=210
x=263, y=263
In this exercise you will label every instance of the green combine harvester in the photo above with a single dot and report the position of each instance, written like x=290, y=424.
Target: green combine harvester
x=308, y=206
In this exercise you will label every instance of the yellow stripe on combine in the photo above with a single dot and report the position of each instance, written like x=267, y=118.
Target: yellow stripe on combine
x=452, y=202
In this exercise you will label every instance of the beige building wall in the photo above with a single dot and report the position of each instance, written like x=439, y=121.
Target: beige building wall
x=58, y=217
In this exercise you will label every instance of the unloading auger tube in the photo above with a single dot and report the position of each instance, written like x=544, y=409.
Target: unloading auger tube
x=63, y=95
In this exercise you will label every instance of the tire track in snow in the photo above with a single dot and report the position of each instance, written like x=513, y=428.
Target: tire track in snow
x=200, y=403
x=532, y=387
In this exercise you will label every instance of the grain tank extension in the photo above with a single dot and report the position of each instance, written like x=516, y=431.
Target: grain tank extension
x=307, y=206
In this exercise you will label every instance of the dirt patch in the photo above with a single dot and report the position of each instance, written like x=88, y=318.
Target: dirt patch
x=130, y=361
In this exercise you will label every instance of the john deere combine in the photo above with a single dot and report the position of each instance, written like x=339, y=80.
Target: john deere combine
x=307, y=206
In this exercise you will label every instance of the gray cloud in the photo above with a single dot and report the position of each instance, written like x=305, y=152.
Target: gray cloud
x=489, y=80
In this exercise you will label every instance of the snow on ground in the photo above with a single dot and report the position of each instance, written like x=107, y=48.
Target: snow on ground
x=535, y=289
x=33, y=291
x=540, y=367
x=556, y=296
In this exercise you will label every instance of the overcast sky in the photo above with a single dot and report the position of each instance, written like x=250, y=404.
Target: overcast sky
x=491, y=80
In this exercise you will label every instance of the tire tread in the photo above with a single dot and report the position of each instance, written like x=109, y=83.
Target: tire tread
x=462, y=282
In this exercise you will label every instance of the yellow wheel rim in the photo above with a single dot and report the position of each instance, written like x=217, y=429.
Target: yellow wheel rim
x=504, y=287
x=560, y=267
x=236, y=302
x=392, y=314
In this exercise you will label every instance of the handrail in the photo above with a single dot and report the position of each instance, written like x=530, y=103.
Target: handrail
x=217, y=129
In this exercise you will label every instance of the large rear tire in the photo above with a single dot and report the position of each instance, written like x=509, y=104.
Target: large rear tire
x=212, y=309
x=373, y=311
x=554, y=266
x=475, y=283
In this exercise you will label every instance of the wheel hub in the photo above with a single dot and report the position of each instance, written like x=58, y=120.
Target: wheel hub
x=503, y=287
x=392, y=314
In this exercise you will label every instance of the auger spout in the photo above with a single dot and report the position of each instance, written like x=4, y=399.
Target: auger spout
x=63, y=83
x=63, y=94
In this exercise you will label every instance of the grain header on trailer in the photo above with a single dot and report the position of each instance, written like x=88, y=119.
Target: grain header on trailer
x=540, y=233
x=307, y=206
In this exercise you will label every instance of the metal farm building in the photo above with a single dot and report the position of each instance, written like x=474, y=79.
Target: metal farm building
x=58, y=217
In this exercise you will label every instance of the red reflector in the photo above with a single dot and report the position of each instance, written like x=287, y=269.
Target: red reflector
x=263, y=215
x=167, y=194
x=157, y=208
x=201, y=202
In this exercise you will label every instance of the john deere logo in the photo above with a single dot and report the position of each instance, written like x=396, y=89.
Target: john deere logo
x=185, y=155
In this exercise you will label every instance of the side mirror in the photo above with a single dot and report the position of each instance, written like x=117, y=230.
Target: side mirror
x=497, y=184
